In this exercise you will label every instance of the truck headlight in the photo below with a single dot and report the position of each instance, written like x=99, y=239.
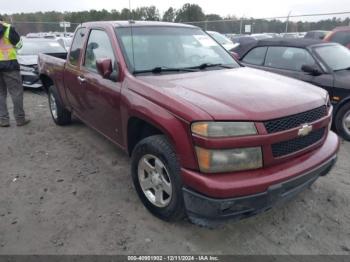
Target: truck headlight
x=229, y=160
x=223, y=129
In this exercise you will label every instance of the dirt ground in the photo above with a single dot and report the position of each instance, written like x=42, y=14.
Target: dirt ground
x=67, y=190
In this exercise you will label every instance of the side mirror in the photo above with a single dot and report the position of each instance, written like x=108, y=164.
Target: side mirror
x=115, y=74
x=312, y=70
x=104, y=67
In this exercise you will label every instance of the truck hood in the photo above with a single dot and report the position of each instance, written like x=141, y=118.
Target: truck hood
x=241, y=93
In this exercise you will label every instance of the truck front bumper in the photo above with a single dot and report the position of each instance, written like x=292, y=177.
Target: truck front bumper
x=200, y=207
x=243, y=194
x=31, y=80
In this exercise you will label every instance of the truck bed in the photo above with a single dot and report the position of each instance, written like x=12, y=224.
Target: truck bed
x=50, y=63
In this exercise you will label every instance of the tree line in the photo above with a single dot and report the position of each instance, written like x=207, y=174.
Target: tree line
x=48, y=21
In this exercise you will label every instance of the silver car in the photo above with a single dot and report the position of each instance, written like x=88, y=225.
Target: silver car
x=28, y=58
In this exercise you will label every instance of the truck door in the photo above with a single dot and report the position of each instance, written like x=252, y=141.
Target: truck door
x=102, y=95
x=73, y=79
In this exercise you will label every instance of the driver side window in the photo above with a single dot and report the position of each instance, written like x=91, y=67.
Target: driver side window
x=98, y=47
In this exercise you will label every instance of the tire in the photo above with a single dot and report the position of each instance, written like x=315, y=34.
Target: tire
x=158, y=147
x=343, y=117
x=60, y=115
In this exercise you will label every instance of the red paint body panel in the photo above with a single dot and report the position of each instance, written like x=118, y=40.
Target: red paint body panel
x=239, y=94
x=171, y=102
x=330, y=37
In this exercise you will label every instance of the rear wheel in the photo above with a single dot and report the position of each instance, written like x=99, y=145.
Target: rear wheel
x=60, y=115
x=156, y=175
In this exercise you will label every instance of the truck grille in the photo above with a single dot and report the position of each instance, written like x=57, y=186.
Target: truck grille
x=291, y=146
x=293, y=121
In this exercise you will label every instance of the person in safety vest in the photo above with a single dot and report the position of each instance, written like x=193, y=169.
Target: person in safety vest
x=10, y=79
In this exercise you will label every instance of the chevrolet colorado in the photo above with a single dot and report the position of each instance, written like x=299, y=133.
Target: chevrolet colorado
x=208, y=138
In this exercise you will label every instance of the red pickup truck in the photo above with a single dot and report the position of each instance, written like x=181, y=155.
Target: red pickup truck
x=208, y=138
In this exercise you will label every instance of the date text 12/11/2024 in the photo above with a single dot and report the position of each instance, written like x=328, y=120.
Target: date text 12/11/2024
x=173, y=258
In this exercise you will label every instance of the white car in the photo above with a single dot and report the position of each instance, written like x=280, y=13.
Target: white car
x=223, y=40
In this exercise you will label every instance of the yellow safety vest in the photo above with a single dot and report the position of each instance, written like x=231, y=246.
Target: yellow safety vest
x=7, y=50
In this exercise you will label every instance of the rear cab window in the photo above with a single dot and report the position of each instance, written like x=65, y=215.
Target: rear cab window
x=77, y=46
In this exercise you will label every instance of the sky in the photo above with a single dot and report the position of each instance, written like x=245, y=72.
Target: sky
x=246, y=8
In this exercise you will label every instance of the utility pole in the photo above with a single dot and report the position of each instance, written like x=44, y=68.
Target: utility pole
x=287, y=22
x=241, y=25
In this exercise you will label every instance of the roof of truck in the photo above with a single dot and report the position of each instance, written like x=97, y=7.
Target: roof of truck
x=137, y=24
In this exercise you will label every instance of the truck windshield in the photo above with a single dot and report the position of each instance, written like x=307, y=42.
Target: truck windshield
x=337, y=57
x=173, y=48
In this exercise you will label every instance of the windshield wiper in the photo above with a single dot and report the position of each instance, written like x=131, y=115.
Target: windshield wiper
x=206, y=65
x=160, y=69
x=343, y=69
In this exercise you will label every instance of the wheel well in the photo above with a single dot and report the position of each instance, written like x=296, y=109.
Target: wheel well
x=343, y=102
x=139, y=129
x=47, y=81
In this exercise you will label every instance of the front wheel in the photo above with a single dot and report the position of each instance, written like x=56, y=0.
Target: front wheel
x=60, y=115
x=342, y=122
x=156, y=175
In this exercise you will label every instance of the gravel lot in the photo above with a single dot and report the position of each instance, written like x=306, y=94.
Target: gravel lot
x=67, y=190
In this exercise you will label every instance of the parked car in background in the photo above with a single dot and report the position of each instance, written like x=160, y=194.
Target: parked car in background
x=260, y=36
x=316, y=34
x=33, y=35
x=65, y=42
x=28, y=58
x=222, y=40
x=290, y=35
x=323, y=64
x=230, y=35
x=242, y=43
x=273, y=35
x=340, y=35
x=238, y=38
x=208, y=138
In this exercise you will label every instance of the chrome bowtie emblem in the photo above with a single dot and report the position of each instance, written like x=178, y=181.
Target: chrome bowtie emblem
x=305, y=130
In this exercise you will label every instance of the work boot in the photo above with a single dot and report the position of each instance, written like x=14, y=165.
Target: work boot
x=4, y=123
x=23, y=122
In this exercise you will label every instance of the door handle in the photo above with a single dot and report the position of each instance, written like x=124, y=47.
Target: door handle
x=81, y=79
